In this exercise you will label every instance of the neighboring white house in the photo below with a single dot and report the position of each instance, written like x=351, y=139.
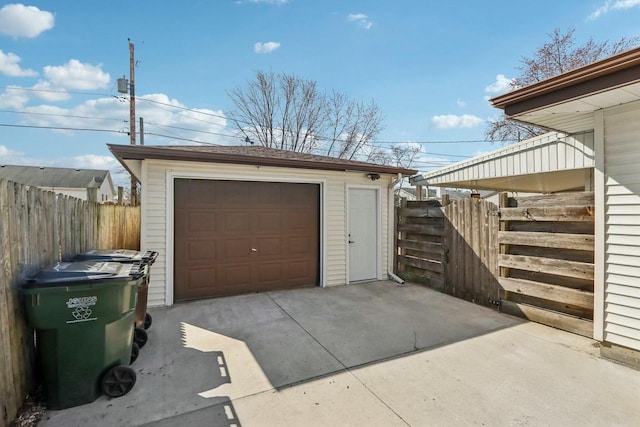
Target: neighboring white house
x=594, y=112
x=230, y=220
x=68, y=181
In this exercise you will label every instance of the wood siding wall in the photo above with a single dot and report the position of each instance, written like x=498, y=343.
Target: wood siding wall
x=547, y=259
x=622, y=226
x=37, y=228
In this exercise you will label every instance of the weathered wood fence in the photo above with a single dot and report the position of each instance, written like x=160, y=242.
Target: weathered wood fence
x=533, y=257
x=37, y=228
x=547, y=259
x=452, y=248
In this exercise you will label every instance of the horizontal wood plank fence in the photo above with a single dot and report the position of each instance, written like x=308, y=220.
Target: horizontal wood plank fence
x=547, y=259
x=38, y=228
x=533, y=256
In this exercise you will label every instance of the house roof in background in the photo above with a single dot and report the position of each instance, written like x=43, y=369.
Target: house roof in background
x=567, y=101
x=252, y=155
x=50, y=177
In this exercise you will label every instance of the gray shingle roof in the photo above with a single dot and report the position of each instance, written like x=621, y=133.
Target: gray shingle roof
x=256, y=155
x=47, y=177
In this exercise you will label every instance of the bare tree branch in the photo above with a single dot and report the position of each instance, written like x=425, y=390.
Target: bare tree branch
x=287, y=112
x=558, y=55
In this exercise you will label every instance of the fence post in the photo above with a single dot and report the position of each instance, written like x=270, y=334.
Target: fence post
x=504, y=249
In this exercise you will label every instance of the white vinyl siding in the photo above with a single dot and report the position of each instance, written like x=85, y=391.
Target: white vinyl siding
x=545, y=153
x=333, y=212
x=622, y=225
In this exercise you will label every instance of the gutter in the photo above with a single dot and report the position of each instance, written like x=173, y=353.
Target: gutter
x=392, y=230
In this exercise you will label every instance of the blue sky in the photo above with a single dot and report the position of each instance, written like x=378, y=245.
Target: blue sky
x=429, y=65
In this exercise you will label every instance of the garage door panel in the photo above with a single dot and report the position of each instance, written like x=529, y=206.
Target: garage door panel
x=201, y=222
x=298, y=271
x=232, y=193
x=269, y=272
x=269, y=247
x=218, y=223
x=233, y=222
x=202, y=250
x=201, y=278
x=267, y=222
x=236, y=248
x=299, y=246
x=296, y=220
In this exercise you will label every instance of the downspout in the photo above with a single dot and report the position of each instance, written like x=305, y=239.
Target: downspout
x=392, y=230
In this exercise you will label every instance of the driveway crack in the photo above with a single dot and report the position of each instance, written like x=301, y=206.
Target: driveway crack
x=346, y=368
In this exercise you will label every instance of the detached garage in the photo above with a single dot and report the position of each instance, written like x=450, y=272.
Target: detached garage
x=233, y=220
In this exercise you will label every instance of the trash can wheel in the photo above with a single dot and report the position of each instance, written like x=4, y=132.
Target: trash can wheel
x=118, y=381
x=147, y=320
x=140, y=337
x=135, y=352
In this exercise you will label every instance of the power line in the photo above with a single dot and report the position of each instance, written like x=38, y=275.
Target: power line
x=63, y=115
x=60, y=128
x=191, y=130
x=320, y=137
x=181, y=139
x=27, y=89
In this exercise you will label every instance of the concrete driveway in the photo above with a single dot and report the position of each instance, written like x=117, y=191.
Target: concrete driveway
x=373, y=354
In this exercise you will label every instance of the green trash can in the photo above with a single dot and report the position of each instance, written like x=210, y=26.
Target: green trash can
x=83, y=313
x=143, y=319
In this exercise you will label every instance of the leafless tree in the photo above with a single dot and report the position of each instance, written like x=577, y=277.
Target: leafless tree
x=558, y=55
x=286, y=112
x=404, y=155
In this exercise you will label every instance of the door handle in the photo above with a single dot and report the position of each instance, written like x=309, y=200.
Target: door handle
x=351, y=241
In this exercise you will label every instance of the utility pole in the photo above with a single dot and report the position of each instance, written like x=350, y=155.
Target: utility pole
x=132, y=117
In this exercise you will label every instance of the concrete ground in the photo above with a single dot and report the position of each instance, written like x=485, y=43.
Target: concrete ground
x=372, y=354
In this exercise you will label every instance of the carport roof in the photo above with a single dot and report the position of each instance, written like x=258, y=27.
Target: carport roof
x=252, y=155
x=544, y=164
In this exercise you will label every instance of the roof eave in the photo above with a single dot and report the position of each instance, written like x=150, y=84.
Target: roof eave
x=127, y=152
x=627, y=60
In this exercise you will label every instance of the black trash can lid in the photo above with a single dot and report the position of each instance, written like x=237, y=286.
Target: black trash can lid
x=83, y=272
x=117, y=255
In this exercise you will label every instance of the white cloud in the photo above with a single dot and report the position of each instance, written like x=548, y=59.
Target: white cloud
x=267, y=47
x=14, y=99
x=47, y=92
x=361, y=19
x=76, y=75
x=461, y=103
x=9, y=66
x=91, y=161
x=451, y=121
x=202, y=124
x=9, y=157
x=18, y=20
x=501, y=85
x=613, y=5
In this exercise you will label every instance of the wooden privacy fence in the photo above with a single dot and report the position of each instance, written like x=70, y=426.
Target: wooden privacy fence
x=452, y=248
x=37, y=228
x=533, y=256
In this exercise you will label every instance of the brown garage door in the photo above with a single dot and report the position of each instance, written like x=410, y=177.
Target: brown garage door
x=235, y=237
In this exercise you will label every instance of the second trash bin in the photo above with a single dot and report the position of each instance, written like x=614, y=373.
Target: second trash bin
x=143, y=319
x=83, y=316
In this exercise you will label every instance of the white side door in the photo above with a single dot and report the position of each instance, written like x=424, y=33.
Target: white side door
x=363, y=234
